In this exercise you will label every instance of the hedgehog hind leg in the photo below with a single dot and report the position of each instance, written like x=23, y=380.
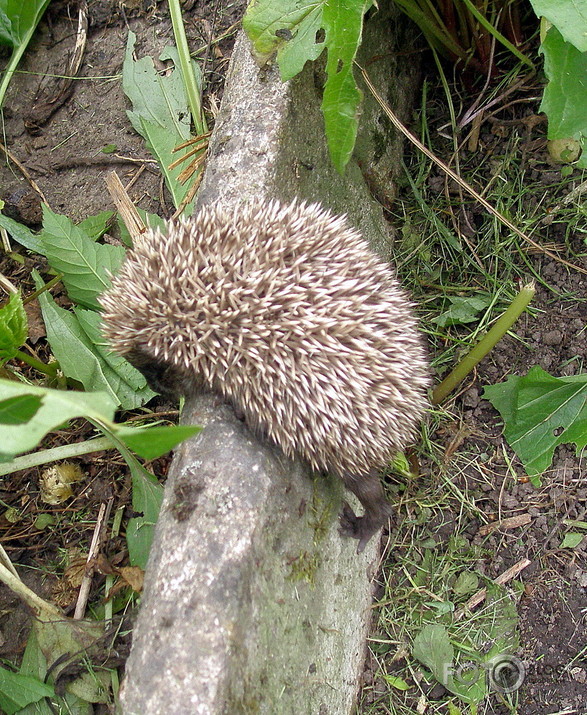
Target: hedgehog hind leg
x=369, y=492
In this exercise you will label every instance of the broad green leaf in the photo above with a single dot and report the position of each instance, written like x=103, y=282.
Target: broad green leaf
x=56, y=407
x=18, y=20
x=13, y=327
x=85, y=265
x=343, y=23
x=565, y=95
x=18, y=690
x=539, y=413
x=433, y=648
x=21, y=234
x=160, y=112
x=130, y=385
x=94, y=227
x=147, y=495
x=19, y=410
x=152, y=442
x=462, y=310
x=467, y=582
x=74, y=339
x=278, y=26
x=568, y=16
x=572, y=540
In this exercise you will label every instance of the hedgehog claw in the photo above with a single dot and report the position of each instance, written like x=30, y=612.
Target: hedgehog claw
x=356, y=527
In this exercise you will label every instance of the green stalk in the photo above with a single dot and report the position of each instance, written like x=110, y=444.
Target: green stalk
x=66, y=451
x=19, y=51
x=187, y=71
x=485, y=345
x=47, y=369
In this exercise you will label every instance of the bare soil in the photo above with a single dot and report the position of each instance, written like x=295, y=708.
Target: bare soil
x=64, y=156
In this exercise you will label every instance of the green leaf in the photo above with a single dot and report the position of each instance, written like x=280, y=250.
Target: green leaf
x=128, y=383
x=539, y=413
x=85, y=265
x=462, y=310
x=467, y=582
x=152, y=442
x=568, y=16
x=56, y=408
x=18, y=690
x=94, y=227
x=21, y=234
x=147, y=495
x=75, y=340
x=343, y=23
x=19, y=410
x=277, y=26
x=291, y=30
x=18, y=21
x=395, y=682
x=13, y=327
x=564, y=99
x=160, y=112
x=572, y=540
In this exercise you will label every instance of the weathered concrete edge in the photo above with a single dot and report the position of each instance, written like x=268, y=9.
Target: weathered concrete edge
x=253, y=602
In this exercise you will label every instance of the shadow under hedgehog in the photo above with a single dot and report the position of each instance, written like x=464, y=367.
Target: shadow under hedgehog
x=286, y=312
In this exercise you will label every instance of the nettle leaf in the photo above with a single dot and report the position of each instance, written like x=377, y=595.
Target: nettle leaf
x=160, y=112
x=74, y=339
x=539, y=413
x=292, y=30
x=568, y=16
x=13, y=327
x=564, y=96
x=96, y=226
x=462, y=310
x=343, y=23
x=85, y=265
x=276, y=26
x=151, y=442
x=18, y=690
x=47, y=409
x=21, y=234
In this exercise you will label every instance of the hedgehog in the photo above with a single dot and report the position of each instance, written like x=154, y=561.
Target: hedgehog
x=284, y=311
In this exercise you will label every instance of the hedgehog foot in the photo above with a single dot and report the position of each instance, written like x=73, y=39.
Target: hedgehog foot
x=370, y=493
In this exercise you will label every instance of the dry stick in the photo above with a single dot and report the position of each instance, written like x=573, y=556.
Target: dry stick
x=23, y=170
x=132, y=220
x=461, y=182
x=86, y=584
x=487, y=343
x=480, y=596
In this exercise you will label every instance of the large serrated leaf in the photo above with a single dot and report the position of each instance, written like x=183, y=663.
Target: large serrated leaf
x=291, y=30
x=81, y=359
x=565, y=95
x=539, y=413
x=160, y=112
x=13, y=327
x=569, y=16
x=85, y=265
x=343, y=23
x=56, y=408
x=276, y=26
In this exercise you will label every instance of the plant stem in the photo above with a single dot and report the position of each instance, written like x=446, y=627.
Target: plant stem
x=47, y=369
x=185, y=63
x=485, y=345
x=66, y=451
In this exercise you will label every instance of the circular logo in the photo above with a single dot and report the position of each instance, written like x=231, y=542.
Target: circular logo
x=506, y=673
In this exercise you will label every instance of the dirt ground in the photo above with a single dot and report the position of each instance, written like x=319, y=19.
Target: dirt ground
x=64, y=156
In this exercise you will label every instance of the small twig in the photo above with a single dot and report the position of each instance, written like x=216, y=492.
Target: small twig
x=86, y=584
x=23, y=170
x=132, y=220
x=481, y=595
